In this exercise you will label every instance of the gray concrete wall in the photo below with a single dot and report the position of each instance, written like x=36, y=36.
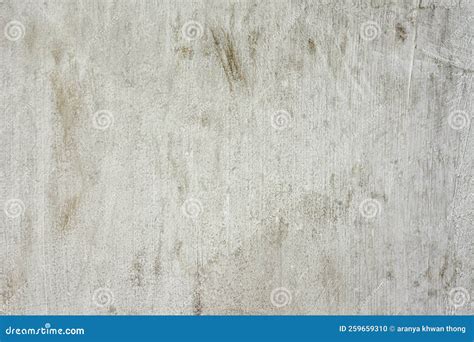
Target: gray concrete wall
x=236, y=157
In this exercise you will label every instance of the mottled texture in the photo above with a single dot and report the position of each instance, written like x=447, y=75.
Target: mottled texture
x=236, y=157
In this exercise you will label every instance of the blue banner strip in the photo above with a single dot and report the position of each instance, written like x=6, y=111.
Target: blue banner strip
x=237, y=328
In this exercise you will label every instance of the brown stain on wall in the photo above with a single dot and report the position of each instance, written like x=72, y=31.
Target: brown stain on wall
x=448, y=271
x=185, y=52
x=228, y=56
x=57, y=54
x=14, y=281
x=12, y=285
x=157, y=267
x=158, y=263
x=68, y=210
x=197, y=303
x=137, y=275
x=179, y=253
x=197, y=296
x=311, y=46
x=68, y=101
x=402, y=34
x=321, y=208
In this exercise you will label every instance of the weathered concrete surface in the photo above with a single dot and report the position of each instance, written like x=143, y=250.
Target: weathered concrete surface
x=236, y=157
